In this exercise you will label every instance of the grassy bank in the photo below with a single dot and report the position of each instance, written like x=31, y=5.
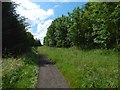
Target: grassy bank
x=93, y=68
x=20, y=72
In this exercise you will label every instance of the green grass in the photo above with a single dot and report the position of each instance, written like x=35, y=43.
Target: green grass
x=20, y=72
x=85, y=69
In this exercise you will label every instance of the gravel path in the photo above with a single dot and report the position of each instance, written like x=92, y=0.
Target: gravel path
x=49, y=75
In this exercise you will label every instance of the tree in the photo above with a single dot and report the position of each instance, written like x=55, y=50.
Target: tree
x=37, y=42
x=96, y=25
x=15, y=38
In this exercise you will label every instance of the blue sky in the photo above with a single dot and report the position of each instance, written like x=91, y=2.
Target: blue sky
x=40, y=14
x=60, y=8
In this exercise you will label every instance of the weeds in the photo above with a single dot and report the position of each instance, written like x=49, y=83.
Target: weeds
x=20, y=72
x=85, y=69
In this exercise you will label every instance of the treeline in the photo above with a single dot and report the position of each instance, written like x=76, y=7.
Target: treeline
x=15, y=38
x=96, y=25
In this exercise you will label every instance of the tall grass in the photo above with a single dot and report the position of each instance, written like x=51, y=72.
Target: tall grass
x=85, y=69
x=20, y=72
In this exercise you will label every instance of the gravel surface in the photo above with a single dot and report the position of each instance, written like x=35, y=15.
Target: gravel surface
x=49, y=75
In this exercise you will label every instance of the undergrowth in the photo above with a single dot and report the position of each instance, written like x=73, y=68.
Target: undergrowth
x=20, y=72
x=96, y=68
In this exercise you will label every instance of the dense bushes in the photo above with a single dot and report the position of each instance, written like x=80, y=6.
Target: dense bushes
x=96, y=25
x=20, y=72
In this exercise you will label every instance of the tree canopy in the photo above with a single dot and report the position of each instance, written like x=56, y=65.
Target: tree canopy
x=15, y=37
x=97, y=25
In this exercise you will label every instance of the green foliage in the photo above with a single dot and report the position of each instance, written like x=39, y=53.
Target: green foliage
x=21, y=72
x=37, y=42
x=96, y=25
x=57, y=35
x=15, y=38
x=96, y=68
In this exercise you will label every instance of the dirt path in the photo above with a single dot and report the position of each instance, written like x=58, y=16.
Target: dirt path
x=49, y=76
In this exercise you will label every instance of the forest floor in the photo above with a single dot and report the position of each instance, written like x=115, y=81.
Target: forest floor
x=49, y=76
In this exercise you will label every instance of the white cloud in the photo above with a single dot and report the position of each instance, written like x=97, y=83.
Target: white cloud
x=42, y=29
x=62, y=0
x=59, y=0
x=32, y=11
x=67, y=0
x=56, y=6
x=44, y=25
x=35, y=16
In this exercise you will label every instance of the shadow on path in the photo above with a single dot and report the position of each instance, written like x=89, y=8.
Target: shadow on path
x=44, y=60
x=49, y=76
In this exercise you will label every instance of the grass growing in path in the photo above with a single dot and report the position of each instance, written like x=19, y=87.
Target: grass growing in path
x=85, y=69
x=20, y=72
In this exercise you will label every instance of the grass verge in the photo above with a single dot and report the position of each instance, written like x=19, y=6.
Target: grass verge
x=20, y=72
x=85, y=69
